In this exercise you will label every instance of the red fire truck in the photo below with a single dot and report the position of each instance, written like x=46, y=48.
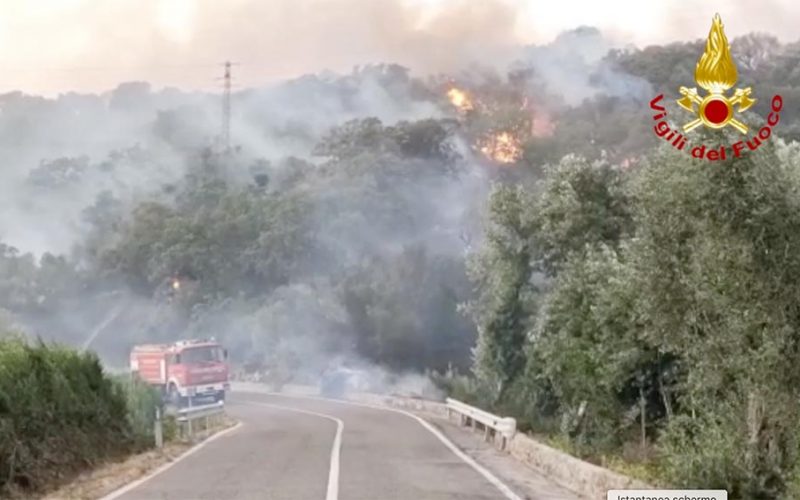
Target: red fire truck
x=183, y=370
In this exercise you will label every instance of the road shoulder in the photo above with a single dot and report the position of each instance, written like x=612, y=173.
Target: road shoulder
x=109, y=478
x=527, y=482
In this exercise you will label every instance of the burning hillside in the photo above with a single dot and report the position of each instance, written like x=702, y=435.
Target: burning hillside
x=498, y=120
x=502, y=147
x=460, y=99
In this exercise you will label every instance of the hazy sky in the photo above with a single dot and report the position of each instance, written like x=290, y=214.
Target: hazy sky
x=51, y=46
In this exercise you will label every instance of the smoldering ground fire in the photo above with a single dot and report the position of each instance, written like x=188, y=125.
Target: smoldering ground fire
x=674, y=137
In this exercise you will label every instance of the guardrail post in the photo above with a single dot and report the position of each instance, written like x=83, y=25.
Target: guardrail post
x=158, y=430
x=206, y=414
x=189, y=421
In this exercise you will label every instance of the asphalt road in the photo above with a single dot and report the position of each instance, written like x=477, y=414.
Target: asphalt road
x=290, y=448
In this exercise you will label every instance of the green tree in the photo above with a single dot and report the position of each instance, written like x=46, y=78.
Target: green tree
x=501, y=274
x=713, y=253
x=582, y=204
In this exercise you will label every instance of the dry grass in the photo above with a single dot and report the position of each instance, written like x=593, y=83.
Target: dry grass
x=112, y=476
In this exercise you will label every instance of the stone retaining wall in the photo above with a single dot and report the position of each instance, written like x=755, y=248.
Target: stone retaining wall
x=588, y=480
x=403, y=403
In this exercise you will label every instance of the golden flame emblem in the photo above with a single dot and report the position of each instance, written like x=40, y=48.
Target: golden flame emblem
x=716, y=73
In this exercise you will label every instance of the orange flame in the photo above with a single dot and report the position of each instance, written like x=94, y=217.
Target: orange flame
x=502, y=147
x=460, y=99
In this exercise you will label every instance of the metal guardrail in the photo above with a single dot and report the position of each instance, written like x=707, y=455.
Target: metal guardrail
x=194, y=412
x=186, y=418
x=492, y=425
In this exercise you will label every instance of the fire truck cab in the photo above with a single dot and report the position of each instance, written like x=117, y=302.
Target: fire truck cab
x=184, y=370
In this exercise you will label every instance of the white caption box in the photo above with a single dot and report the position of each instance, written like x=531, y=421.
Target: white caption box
x=667, y=495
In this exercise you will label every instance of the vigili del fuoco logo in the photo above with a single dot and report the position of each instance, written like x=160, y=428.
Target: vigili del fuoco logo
x=716, y=74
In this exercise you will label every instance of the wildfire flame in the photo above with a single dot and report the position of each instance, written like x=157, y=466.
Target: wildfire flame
x=716, y=71
x=460, y=99
x=502, y=147
x=176, y=284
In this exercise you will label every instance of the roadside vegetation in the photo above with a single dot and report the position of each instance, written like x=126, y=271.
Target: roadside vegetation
x=651, y=314
x=60, y=415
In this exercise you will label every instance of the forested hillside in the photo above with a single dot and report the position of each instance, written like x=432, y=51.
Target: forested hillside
x=518, y=231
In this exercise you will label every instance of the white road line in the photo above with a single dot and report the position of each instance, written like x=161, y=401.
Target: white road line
x=336, y=449
x=128, y=487
x=494, y=480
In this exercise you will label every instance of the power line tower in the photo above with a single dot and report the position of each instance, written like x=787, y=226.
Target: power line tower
x=226, y=108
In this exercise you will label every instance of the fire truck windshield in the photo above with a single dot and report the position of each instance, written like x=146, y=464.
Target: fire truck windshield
x=202, y=355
